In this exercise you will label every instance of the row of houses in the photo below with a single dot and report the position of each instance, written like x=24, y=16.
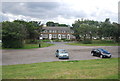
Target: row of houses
x=57, y=33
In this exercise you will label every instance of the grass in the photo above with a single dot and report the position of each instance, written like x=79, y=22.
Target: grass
x=31, y=46
x=84, y=69
x=96, y=43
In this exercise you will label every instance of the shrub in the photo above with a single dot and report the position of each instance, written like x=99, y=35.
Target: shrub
x=13, y=35
x=87, y=41
x=12, y=43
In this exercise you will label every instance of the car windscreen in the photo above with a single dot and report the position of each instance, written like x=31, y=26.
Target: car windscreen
x=63, y=51
x=104, y=51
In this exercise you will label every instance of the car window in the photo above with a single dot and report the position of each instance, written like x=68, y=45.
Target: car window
x=63, y=51
x=97, y=51
x=57, y=51
x=103, y=50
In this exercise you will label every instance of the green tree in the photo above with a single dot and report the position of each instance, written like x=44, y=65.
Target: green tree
x=13, y=34
x=63, y=25
x=85, y=29
x=33, y=30
x=109, y=30
x=0, y=30
x=50, y=23
x=116, y=32
x=106, y=28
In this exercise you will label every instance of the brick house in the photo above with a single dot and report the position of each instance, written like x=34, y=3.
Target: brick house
x=57, y=33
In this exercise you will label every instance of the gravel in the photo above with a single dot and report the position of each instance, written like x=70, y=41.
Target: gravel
x=47, y=54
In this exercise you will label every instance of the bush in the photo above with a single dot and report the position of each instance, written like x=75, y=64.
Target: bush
x=13, y=34
x=57, y=40
x=12, y=43
x=87, y=42
x=66, y=40
x=46, y=40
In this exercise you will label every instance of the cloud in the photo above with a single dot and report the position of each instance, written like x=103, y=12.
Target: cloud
x=66, y=10
x=119, y=12
x=42, y=10
x=34, y=9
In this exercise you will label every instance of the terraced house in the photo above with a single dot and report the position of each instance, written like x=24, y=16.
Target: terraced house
x=57, y=33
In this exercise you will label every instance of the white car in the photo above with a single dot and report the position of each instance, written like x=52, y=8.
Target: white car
x=61, y=53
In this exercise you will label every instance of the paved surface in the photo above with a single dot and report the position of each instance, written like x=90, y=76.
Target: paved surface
x=47, y=54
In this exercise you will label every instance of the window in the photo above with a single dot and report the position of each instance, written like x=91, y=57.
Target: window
x=53, y=31
x=50, y=31
x=45, y=31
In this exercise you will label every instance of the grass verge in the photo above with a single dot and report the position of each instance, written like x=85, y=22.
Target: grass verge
x=30, y=46
x=83, y=69
x=96, y=43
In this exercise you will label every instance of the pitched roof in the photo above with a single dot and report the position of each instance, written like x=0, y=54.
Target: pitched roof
x=57, y=28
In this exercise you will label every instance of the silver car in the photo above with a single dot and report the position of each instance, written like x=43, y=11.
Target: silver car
x=61, y=53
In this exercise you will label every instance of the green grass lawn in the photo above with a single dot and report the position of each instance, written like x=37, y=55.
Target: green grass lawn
x=83, y=69
x=96, y=43
x=30, y=46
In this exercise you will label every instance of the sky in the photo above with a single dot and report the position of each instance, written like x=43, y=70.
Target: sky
x=60, y=11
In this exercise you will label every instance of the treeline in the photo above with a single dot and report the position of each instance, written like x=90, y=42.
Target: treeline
x=52, y=24
x=87, y=30
x=15, y=34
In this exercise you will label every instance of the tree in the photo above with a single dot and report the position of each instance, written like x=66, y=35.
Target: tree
x=75, y=28
x=33, y=30
x=0, y=30
x=85, y=29
x=106, y=28
x=116, y=32
x=13, y=34
x=50, y=23
x=62, y=25
x=109, y=30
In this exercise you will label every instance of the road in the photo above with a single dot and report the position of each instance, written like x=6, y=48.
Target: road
x=47, y=54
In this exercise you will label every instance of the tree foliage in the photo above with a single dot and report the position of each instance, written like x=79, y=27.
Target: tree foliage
x=87, y=29
x=52, y=24
x=15, y=33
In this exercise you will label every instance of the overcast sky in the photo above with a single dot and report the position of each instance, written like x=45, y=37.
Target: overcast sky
x=61, y=11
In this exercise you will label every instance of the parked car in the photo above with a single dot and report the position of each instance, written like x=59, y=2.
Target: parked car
x=61, y=53
x=101, y=53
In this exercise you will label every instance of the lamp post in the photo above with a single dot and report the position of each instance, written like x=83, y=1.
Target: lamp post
x=40, y=42
x=40, y=30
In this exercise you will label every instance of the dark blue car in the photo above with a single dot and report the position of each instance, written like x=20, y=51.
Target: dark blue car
x=101, y=53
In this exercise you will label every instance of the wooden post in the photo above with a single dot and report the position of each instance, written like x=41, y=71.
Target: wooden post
x=39, y=45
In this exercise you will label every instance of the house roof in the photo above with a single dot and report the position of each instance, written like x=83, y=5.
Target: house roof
x=57, y=28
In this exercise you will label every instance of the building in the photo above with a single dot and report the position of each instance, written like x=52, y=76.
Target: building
x=57, y=33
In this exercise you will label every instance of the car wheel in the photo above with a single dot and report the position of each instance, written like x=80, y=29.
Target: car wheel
x=101, y=56
x=92, y=54
x=110, y=57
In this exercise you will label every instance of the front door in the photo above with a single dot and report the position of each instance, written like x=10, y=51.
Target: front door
x=59, y=36
x=68, y=36
x=50, y=36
